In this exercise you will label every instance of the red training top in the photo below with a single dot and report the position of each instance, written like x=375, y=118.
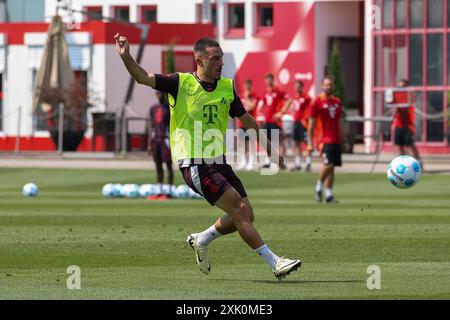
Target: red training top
x=329, y=112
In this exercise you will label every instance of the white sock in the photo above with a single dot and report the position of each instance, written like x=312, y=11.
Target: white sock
x=250, y=161
x=298, y=161
x=204, y=238
x=318, y=186
x=328, y=192
x=267, y=254
x=159, y=188
x=308, y=160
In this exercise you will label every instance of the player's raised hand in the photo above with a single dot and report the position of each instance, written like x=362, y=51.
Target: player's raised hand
x=122, y=45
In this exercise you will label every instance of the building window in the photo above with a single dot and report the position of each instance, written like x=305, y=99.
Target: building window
x=419, y=56
x=416, y=13
x=435, y=120
x=122, y=13
x=416, y=59
x=148, y=14
x=93, y=13
x=448, y=60
x=264, y=19
x=435, y=62
x=202, y=16
x=265, y=15
x=418, y=136
x=236, y=19
x=400, y=13
x=377, y=61
x=388, y=8
x=401, y=62
x=388, y=60
x=448, y=14
x=435, y=12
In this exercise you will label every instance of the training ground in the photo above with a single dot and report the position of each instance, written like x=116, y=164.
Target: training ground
x=134, y=248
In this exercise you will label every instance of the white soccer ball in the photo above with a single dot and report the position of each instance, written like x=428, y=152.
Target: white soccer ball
x=166, y=188
x=194, y=195
x=404, y=172
x=130, y=190
x=30, y=190
x=173, y=191
x=110, y=190
x=146, y=190
x=182, y=191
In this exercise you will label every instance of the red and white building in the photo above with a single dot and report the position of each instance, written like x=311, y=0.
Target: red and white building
x=380, y=42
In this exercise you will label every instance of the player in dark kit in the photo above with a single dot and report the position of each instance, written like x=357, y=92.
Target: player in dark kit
x=328, y=110
x=158, y=143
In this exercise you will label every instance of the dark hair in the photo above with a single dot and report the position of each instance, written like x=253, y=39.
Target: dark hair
x=203, y=43
x=268, y=75
x=249, y=81
x=328, y=77
x=300, y=82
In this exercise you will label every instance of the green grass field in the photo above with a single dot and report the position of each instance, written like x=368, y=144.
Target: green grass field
x=134, y=248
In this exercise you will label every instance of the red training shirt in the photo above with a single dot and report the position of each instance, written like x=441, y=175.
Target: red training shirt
x=329, y=110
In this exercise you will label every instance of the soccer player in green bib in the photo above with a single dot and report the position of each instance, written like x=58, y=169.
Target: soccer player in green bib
x=201, y=104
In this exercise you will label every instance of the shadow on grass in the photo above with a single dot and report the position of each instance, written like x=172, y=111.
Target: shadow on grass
x=308, y=281
x=275, y=281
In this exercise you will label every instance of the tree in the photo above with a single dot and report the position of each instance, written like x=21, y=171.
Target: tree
x=169, y=62
x=335, y=70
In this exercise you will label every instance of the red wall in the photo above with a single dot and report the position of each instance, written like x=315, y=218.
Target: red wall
x=289, y=45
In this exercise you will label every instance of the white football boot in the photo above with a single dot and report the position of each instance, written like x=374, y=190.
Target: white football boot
x=201, y=253
x=285, y=266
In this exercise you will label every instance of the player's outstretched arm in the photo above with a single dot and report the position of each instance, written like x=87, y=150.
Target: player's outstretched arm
x=135, y=70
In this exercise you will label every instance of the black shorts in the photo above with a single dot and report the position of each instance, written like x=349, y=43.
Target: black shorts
x=161, y=150
x=331, y=154
x=212, y=180
x=403, y=137
x=272, y=126
x=300, y=133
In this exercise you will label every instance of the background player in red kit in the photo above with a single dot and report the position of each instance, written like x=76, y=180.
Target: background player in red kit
x=300, y=103
x=249, y=101
x=158, y=143
x=328, y=109
x=404, y=128
x=273, y=100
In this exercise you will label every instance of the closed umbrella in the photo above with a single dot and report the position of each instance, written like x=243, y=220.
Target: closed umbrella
x=55, y=80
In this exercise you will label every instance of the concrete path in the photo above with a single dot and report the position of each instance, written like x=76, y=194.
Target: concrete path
x=358, y=163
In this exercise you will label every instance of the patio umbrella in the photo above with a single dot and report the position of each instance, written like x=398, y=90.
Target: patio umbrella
x=55, y=78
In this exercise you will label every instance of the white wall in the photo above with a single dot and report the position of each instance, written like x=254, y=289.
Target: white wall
x=332, y=19
x=18, y=91
x=169, y=11
x=2, y=11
